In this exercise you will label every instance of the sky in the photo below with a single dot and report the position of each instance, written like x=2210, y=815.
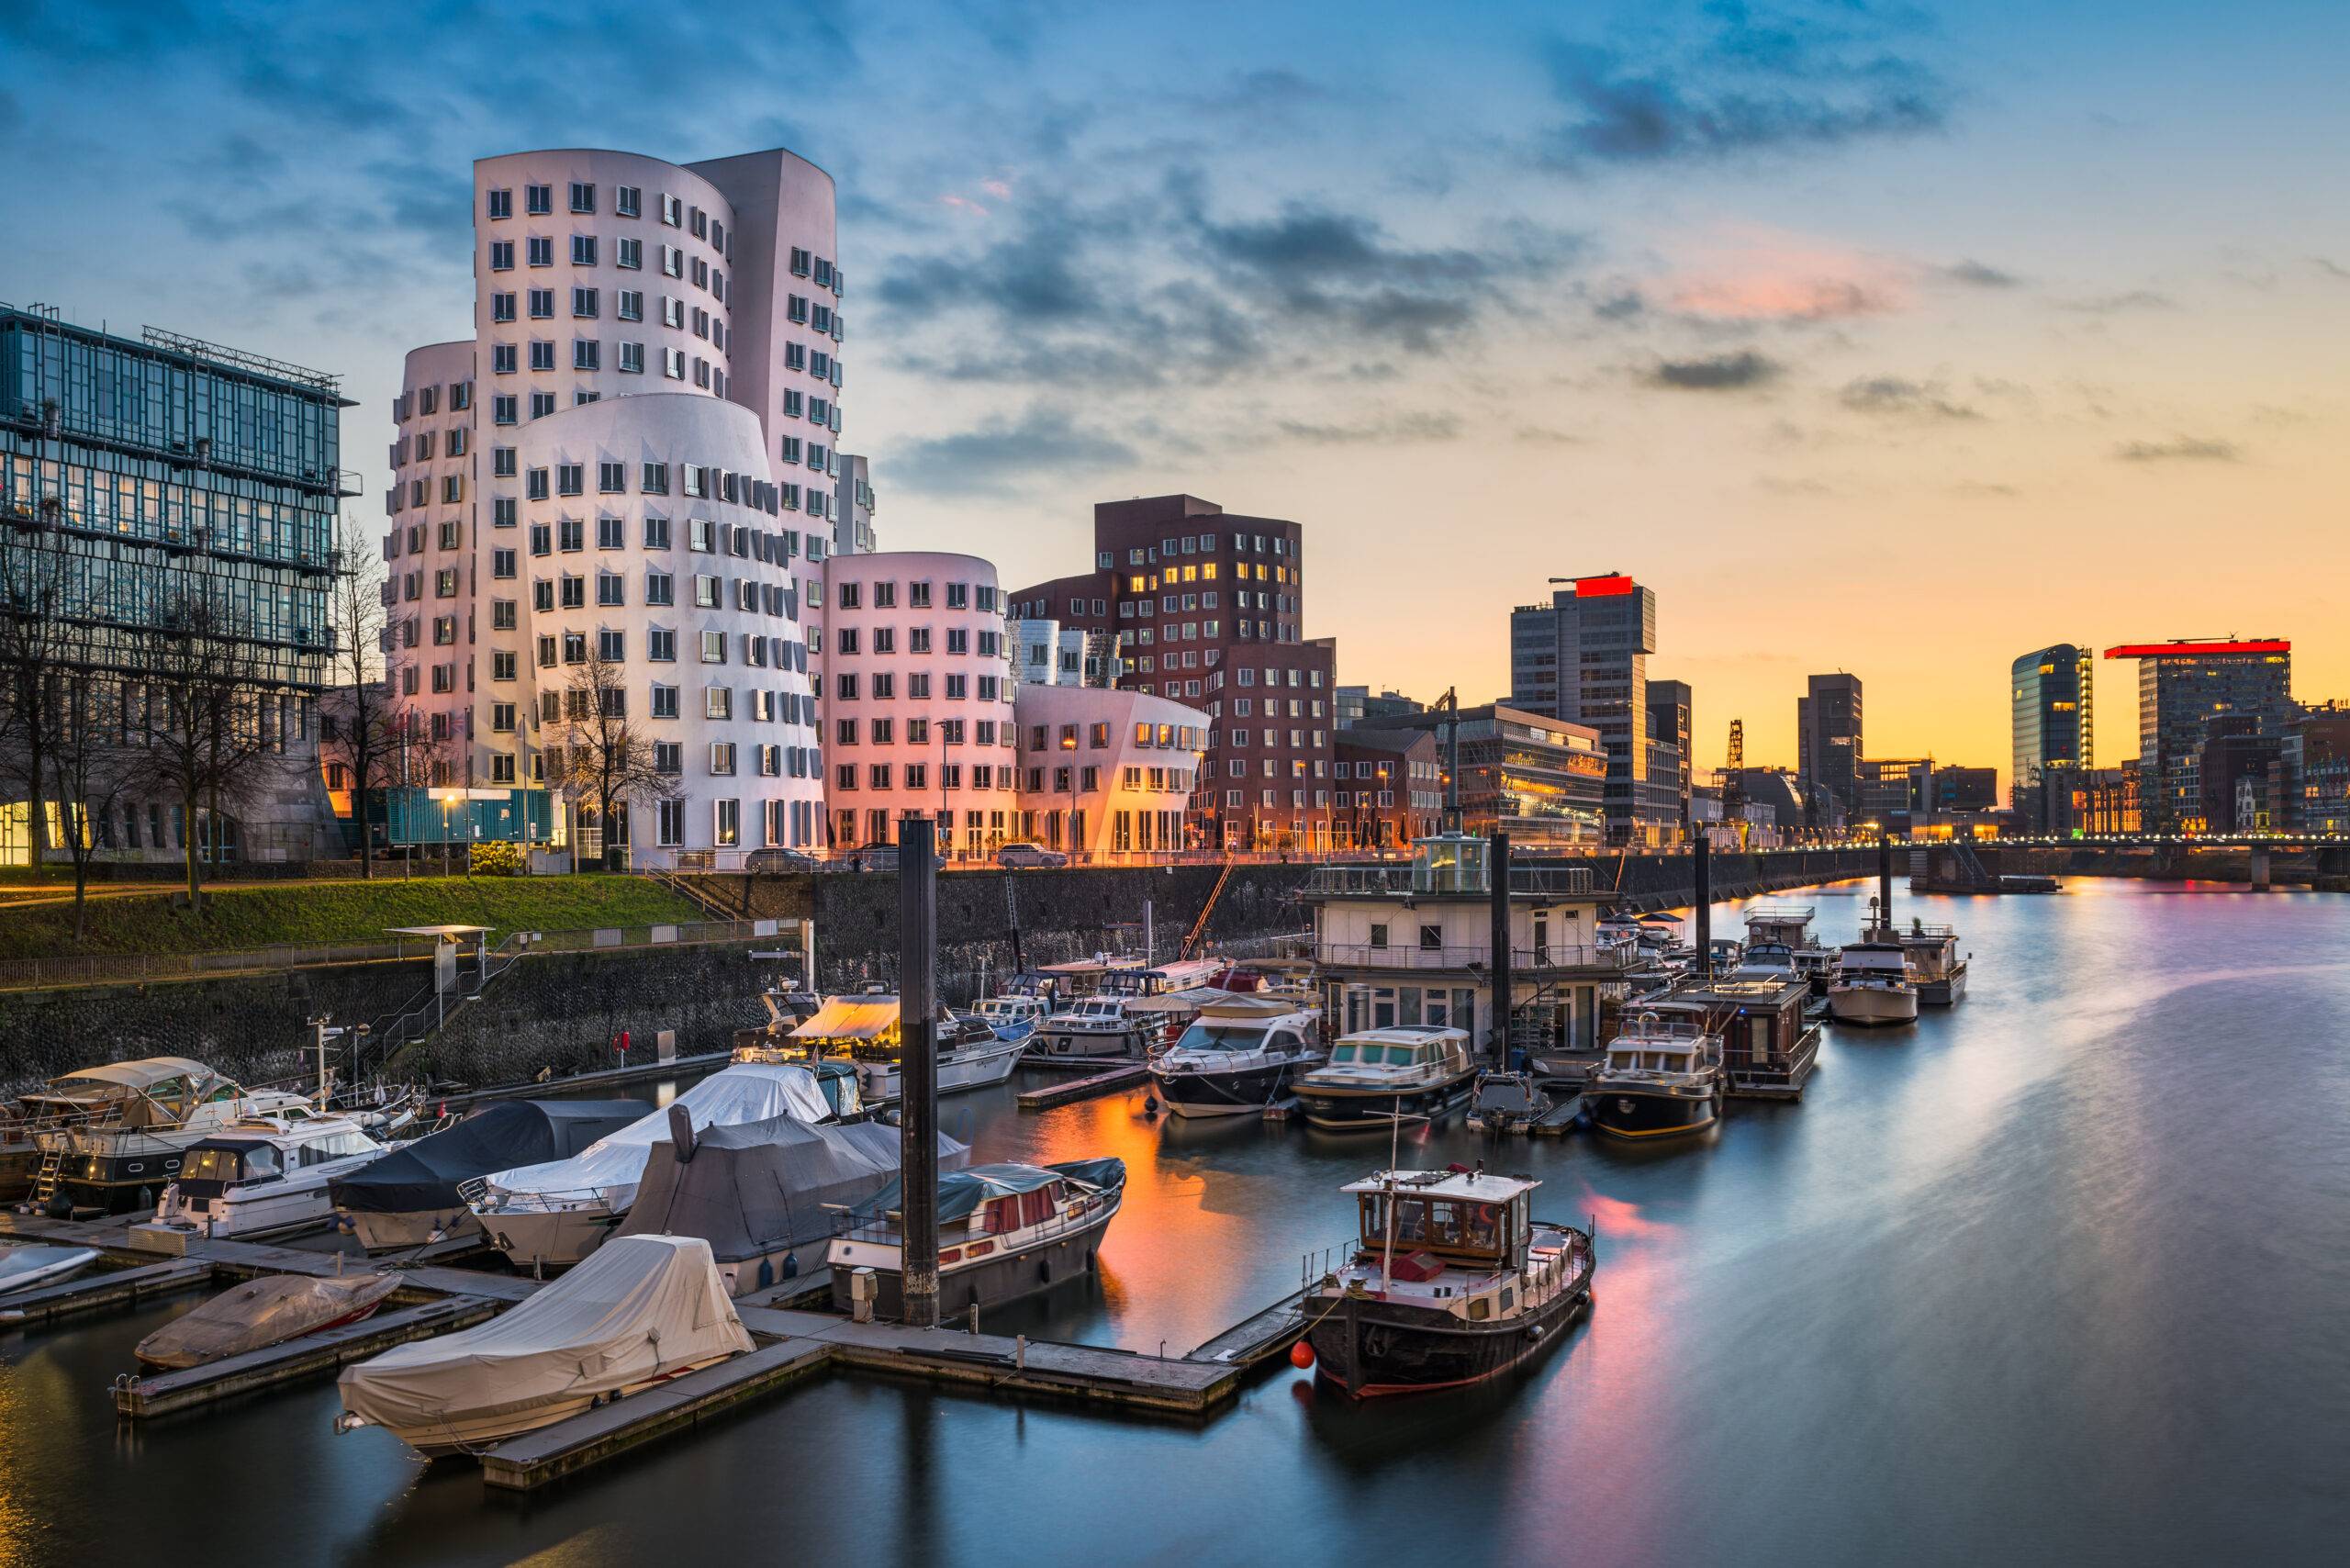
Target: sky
x=1897, y=339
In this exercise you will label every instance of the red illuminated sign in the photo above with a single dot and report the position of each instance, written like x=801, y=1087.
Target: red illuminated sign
x=2196, y=650
x=1600, y=587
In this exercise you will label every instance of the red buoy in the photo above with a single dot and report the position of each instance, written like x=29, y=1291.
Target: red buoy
x=1301, y=1355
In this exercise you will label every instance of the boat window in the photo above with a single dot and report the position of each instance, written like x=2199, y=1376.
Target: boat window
x=1284, y=1041
x=1481, y=1226
x=1342, y=1053
x=1218, y=1037
x=209, y=1165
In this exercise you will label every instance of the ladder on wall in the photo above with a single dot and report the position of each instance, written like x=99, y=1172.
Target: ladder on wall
x=1191, y=938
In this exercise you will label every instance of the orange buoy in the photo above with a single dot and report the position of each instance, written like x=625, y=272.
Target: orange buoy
x=1301, y=1355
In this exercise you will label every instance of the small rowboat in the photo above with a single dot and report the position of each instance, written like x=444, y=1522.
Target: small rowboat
x=264, y=1312
x=22, y=1268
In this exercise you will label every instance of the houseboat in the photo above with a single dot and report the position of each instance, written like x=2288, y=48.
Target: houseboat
x=863, y=1030
x=1453, y=1281
x=1238, y=1054
x=264, y=1174
x=1777, y=930
x=1377, y=1077
x=1004, y=1232
x=1508, y=1102
x=1769, y=1047
x=108, y=1138
x=1938, y=970
x=1662, y=1078
x=1874, y=982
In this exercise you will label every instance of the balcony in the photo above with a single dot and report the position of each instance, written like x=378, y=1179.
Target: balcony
x=1412, y=879
x=1549, y=959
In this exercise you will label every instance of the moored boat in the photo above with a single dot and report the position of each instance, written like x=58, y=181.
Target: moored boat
x=1103, y=1029
x=264, y=1175
x=863, y=1031
x=108, y=1137
x=1239, y=1053
x=1874, y=983
x=1508, y=1103
x=1452, y=1282
x=1662, y=1078
x=26, y=1268
x=1377, y=1077
x=1004, y=1232
x=264, y=1312
x=410, y=1197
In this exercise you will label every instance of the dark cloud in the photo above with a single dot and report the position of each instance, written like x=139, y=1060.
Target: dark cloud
x=1981, y=275
x=1718, y=373
x=1623, y=307
x=2109, y=304
x=2180, y=449
x=997, y=457
x=1892, y=394
x=2331, y=268
x=1750, y=79
x=1389, y=429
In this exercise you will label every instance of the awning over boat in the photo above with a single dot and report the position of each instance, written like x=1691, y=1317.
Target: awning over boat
x=501, y=1137
x=851, y=1018
x=1201, y=997
x=762, y=1186
x=611, y=1166
x=144, y=1073
x=639, y=1306
x=961, y=1192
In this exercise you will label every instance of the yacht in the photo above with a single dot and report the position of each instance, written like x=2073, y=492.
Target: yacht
x=1238, y=1056
x=1874, y=983
x=34, y=1265
x=264, y=1174
x=1012, y=1017
x=863, y=1031
x=109, y=1137
x=1103, y=1029
x=1783, y=932
x=1415, y=1072
x=1004, y=1232
x=1662, y=1079
x=1451, y=1280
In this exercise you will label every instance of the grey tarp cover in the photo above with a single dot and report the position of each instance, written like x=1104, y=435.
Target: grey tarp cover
x=639, y=1306
x=962, y=1192
x=260, y=1312
x=760, y=1187
x=425, y=1174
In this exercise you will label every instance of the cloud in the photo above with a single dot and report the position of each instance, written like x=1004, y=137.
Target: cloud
x=1892, y=394
x=2109, y=304
x=1621, y=306
x=1746, y=272
x=1980, y=274
x=1540, y=436
x=997, y=455
x=1388, y=429
x=2183, y=448
x=2331, y=268
x=1719, y=373
x=1750, y=80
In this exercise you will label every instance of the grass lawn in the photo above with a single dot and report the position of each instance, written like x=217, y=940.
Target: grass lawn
x=238, y=918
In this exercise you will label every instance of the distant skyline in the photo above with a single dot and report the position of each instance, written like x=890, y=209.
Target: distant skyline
x=1896, y=339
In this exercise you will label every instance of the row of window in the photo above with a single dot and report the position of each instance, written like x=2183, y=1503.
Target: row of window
x=916, y=776
x=882, y=687
x=884, y=640
x=628, y=256
x=959, y=596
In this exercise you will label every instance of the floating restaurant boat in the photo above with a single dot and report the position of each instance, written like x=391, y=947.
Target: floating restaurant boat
x=1452, y=1282
x=410, y=1197
x=1874, y=983
x=1407, y=1072
x=550, y=1215
x=109, y=1137
x=765, y=1194
x=642, y=1311
x=863, y=1030
x=1662, y=1079
x=1004, y=1232
x=264, y=1174
x=264, y=1312
x=1239, y=1053
x=23, y=1268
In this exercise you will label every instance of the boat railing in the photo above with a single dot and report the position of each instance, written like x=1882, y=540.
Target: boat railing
x=476, y=1192
x=1784, y=1068
x=1411, y=955
x=847, y=1227
x=1407, y=878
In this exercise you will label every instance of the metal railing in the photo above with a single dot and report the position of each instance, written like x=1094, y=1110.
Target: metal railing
x=1405, y=955
x=1409, y=880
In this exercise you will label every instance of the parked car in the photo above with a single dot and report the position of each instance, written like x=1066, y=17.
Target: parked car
x=774, y=860
x=1028, y=856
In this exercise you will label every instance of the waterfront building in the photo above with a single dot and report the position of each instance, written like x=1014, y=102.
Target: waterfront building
x=1965, y=789
x=1584, y=658
x=2108, y=801
x=1360, y=705
x=2316, y=756
x=2239, y=775
x=2053, y=724
x=2182, y=683
x=622, y=488
x=167, y=522
x=1893, y=793
x=1390, y=788
x=1107, y=776
x=1207, y=608
x=1542, y=781
x=1666, y=793
x=1828, y=747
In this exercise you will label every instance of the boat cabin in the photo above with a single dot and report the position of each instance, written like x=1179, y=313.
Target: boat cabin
x=1781, y=923
x=1657, y=1046
x=1406, y=1050
x=1760, y=1019
x=1876, y=961
x=1419, y=1222
x=1083, y=977
x=1185, y=975
x=263, y=1149
x=1010, y=1011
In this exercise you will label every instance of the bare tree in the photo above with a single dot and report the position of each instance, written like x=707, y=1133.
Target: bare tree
x=600, y=760
x=38, y=640
x=371, y=732
x=90, y=768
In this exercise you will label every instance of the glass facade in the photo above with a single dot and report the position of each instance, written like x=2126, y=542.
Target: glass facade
x=2181, y=685
x=2053, y=734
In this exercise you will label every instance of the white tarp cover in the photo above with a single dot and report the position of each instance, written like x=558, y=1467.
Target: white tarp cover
x=639, y=1306
x=612, y=1165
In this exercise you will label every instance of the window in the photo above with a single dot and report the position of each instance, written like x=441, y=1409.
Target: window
x=628, y=201
x=721, y=759
x=501, y=306
x=502, y=563
x=541, y=252
x=713, y=648
x=501, y=255
x=655, y=479
x=538, y=199
x=502, y=362
x=717, y=702
x=612, y=479
x=586, y=354
x=501, y=204
x=502, y=665
x=583, y=303
x=542, y=355
x=504, y=409
x=661, y=645
x=629, y=304
x=583, y=250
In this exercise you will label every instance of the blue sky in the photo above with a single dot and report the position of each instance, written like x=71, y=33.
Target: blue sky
x=1898, y=338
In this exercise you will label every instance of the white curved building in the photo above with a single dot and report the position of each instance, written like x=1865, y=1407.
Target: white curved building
x=1107, y=775
x=635, y=287
x=917, y=699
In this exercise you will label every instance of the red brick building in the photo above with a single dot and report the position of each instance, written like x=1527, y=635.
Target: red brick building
x=1208, y=608
x=1389, y=787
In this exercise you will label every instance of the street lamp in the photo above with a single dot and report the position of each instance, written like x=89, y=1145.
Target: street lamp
x=448, y=800
x=1068, y=745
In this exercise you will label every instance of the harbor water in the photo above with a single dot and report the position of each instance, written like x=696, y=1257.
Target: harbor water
x=2056, y=1276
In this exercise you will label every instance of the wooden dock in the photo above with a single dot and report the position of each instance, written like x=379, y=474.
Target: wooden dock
x=1253, y=1341
x=297, y=1360
x=1564, y=1116
x=1077, y=1089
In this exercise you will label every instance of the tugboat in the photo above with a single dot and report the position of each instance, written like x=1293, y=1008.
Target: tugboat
x=1379, y=1077
x=1660, y=1081
x=1452, y=1281
x=1238, y=1056
x=1004, y=1232
x=1874, y=983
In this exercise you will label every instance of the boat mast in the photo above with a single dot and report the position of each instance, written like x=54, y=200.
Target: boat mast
x=918, y=1071
x=1387, y=1247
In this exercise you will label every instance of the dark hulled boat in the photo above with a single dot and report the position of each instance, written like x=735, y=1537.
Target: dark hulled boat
x=1238, y=1056
x=1452, y=1281
x=1004, y=1232
x=1662, y=1079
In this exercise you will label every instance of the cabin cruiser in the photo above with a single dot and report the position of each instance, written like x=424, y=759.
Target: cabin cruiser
x=1415, y=1072
x=1662, y=1079
x=1012, y=1017
x=1238, y=1056
x=551, y=1215
x=643, y=1310
x=1508, y=1103
x=109, y=1137
x=1103, y=1029
x=863, y=1030
x=264, y=1174
x=26, y=1268
x=1451, y=1280
x=410, y=1197
x=1004, y=1232
x=1874, y=983
x=765, y=1194
x=264, y=1312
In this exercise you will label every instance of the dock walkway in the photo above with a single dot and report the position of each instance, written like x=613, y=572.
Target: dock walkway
x=1086, y=1088
x=295, y=1360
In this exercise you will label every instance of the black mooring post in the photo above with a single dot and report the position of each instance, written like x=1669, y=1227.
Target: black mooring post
x=1885, y=881
x=918, y=1070
x=1503, y=981
x=1701, y=852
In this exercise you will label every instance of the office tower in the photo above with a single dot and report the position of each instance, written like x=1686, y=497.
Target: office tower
x=1828, y=746
x=2050, y=692
x=1667, y=787
x=2180, y=685
x=1584, y=658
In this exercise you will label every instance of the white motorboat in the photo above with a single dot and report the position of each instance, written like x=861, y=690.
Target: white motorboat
x=1940, y=967
x=109, y=1137
x=1012, y=1017
x=1103, y=1029
x=264, y=1174
x=1379, y=1077
x=25, y=1268
x=864, y=1030
x=1662, y=1079
x=1874, y=983
x=1238, y=1056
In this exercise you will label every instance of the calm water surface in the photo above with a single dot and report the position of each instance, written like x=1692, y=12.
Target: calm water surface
x=2061, y=1275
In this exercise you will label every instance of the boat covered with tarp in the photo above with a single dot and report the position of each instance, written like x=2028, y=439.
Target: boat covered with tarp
x=642, y=1310
x=765, y=1194
x=26, y=1268
x=410, y=1196
x=264, y=1312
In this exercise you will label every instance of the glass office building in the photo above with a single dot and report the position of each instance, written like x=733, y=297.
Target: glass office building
x=2053, y=734
x=2182, y=684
